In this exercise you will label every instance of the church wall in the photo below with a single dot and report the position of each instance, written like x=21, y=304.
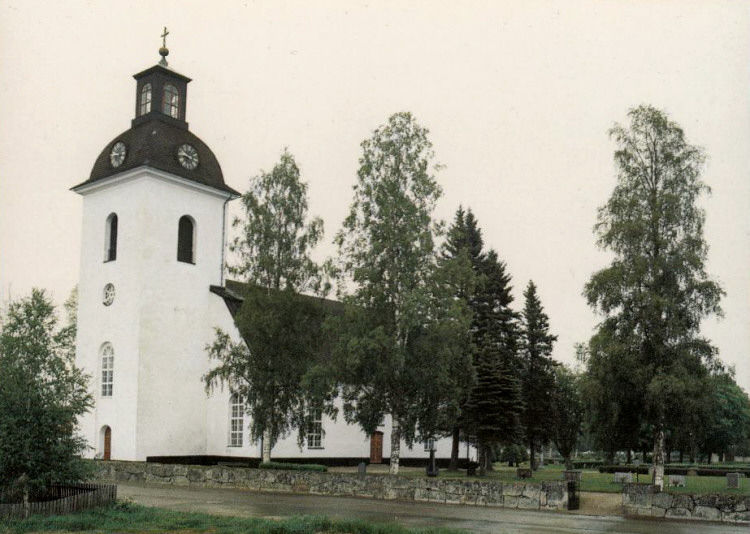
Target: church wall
x=116, y=324
x=175, y=304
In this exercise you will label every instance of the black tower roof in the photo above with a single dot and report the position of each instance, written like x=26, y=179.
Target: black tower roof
x=157, y=132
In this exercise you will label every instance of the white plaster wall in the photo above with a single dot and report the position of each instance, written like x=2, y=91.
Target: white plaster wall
x=175, y=324
x=158, y=324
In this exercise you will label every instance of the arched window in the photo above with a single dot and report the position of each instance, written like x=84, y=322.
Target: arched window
x=186, y=240
x=110, y=238
x=171, y=102
x=236, y=420
x=108, y=368
x=145, y=102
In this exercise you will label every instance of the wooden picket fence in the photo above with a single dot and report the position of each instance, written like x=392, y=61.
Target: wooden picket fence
x=62, y=500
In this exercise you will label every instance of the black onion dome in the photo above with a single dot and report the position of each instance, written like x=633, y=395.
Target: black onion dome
x=154, y=143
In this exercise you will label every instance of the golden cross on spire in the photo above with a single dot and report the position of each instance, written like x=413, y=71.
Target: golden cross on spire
x=164, y=51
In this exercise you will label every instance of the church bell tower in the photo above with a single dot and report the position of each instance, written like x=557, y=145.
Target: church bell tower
x=152, y=245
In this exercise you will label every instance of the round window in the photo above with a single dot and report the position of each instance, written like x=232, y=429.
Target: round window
x=108, y=296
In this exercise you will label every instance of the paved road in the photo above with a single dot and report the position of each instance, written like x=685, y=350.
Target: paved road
x=412, y=514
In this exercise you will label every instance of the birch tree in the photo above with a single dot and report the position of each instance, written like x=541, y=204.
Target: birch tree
x=399, y=345
x=270, y=370
x=656, y=291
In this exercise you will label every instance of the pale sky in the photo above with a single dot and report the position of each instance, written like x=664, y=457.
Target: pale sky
x=518, y=97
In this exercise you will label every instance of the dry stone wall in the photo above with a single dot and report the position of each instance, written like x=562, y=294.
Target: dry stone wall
x=643, y=499
x=544, y=496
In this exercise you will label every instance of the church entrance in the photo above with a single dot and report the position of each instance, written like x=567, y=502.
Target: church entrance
x=107, y=453
x=376, y=448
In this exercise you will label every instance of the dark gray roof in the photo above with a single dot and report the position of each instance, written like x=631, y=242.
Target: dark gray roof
x=154, y=143
x=233, y=294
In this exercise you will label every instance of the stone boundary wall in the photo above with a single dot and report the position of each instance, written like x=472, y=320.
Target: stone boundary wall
x=647, y=500
x=545, y=496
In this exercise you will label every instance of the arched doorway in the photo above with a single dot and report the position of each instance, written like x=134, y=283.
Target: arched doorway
x=106, y=442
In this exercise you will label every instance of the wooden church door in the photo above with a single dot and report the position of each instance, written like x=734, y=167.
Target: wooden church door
x=376, y=448
x=107, y=443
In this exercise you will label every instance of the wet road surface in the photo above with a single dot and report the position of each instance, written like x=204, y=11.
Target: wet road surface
x=412, y=514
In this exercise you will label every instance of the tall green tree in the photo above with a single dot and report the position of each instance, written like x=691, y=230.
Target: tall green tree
x=567, y=412
x=271, y=369
x=728, y=425
x=538, y=367
x=399, y=345
x=613, y=390
x=493, y=410
x=42, y=394
x=461, y=257
x=656, y=291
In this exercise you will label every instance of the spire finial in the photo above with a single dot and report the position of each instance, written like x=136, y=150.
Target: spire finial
x=164, y=51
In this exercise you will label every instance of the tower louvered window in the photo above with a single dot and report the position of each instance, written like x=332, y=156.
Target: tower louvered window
x=110, y=238
x=186, y=240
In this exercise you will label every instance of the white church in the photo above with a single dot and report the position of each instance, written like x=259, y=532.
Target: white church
x=152, y=290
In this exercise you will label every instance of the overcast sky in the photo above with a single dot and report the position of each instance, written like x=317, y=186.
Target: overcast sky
x=518, y=98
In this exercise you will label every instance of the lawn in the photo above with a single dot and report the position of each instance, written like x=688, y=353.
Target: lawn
x=593, y=480
x=128, y=517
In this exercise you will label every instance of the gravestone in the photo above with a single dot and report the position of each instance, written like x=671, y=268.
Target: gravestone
x=676, y=480
x=573, y=474
x=623, y=477
x=733, y=480
x=523, y=472
x=362, y=468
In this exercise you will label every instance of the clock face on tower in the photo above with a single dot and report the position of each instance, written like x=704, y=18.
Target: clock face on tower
x=188, y=156
x=117, y=156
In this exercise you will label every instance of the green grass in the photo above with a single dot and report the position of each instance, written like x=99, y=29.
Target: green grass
x=127, y=517
x=595, y=481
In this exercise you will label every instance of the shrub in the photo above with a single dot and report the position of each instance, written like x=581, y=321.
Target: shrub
x=293, y=467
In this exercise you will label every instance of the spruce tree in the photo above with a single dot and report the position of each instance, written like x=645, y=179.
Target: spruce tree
x=538, y=379
x=494, y=347
x=462, y=256
x=493, y=411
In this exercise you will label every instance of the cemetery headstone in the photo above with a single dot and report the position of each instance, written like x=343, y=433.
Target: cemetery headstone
x=676, y=480
x=573, y=474
x=623, y=477
x=733, y=480
x=523, y=472
x=362, y=468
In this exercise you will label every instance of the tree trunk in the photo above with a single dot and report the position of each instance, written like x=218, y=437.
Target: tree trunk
x=682, y=455
x=659, y=438
x=395, y=444
x=532, y=459
x=481, y=458
x=568, y=463
x=709, y=457
x=453, y=466
x=267, y=445
x=630, y=457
